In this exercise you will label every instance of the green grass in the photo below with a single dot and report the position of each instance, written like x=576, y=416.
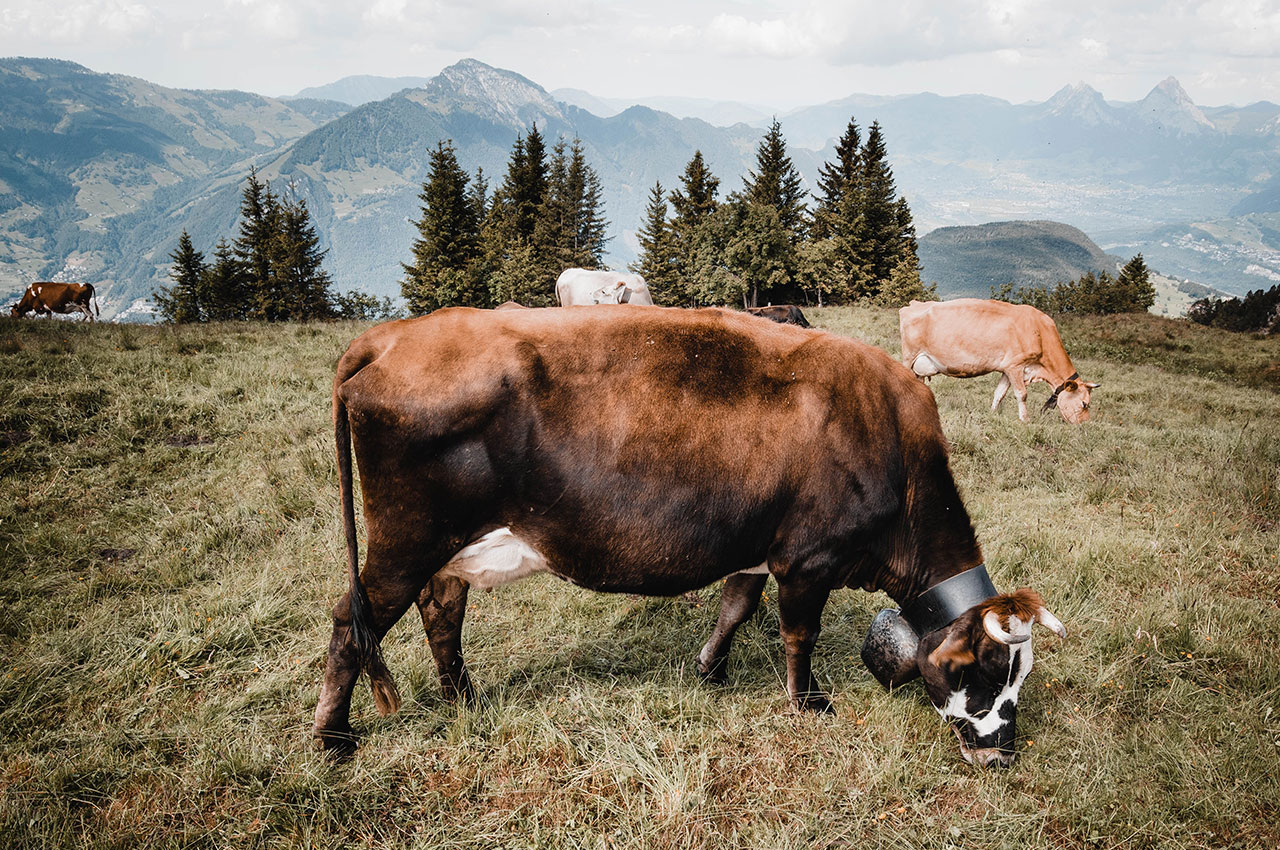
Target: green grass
x=170, y=547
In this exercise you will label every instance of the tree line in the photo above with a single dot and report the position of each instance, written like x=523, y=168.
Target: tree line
x=760, y=244
x=272, y=271
x=765, y=244
x=1258, y=310
x=1131, y=291
x=478, y=251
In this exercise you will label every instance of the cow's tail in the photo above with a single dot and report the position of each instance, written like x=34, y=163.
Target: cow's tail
x=364, y=641
x=93, y=293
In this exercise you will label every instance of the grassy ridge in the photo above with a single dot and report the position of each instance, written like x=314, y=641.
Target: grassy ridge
x=170, y=545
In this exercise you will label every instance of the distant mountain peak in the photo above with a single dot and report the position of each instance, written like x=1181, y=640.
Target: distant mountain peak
x=1082, y=103
x=1169, y=107
x=505, y=92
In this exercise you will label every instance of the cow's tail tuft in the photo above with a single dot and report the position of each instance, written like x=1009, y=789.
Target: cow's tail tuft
x=364, y=641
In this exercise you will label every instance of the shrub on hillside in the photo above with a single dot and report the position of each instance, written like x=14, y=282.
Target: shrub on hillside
x=1259, y=310
x=1100, y=294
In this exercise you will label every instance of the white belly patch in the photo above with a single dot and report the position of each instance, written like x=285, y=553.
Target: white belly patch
x=757, y=570
x=498, y=557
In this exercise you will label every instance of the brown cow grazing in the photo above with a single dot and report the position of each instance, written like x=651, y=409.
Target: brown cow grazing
x=49, y=298
x=657, y=451
x=969, y=337
x=783, y=314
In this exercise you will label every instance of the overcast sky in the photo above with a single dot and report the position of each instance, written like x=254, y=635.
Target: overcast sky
x=778, y=54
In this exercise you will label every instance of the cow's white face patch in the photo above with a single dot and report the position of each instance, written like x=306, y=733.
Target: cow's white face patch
x=497, y=558
x=986, y=722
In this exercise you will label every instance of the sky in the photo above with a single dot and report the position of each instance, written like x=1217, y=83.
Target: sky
x=761, y=52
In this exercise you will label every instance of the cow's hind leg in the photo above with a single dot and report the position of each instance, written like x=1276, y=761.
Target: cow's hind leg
x=1001, y=389
x=392, y=578
x=738, y=601
x=800, y=605
x=442, y=604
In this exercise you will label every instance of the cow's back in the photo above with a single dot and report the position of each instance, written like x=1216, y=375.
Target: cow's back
x=597, y=435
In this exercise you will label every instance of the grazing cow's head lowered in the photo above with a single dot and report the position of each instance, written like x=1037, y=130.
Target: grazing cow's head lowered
x=973, y=668
x=1072, y=400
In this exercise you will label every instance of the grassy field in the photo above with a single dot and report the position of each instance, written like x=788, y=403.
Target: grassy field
x=170, y=546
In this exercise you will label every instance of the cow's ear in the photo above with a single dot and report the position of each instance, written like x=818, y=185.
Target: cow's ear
x=1070, y=387
x=954, y=651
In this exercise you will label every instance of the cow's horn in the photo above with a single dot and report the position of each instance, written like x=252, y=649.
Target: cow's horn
x=1045, y=618
x=991, y=622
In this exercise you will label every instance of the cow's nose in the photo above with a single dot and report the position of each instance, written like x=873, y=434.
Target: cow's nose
x=988, y=756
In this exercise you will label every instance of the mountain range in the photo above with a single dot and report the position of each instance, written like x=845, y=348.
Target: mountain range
x=99, y=173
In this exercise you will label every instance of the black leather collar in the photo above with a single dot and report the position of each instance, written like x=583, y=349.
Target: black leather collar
x=942, y=604
x=1053, y=398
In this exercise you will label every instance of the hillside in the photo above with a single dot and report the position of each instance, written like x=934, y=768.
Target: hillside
x=971, y=260
x=171, y=549
x=100, y=173
x=88, y=160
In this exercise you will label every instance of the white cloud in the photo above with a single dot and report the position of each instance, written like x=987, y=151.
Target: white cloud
x=69, y=23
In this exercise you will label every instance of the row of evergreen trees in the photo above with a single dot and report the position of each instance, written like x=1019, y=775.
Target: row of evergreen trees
x=765, y=244
x=1259, y=310
x=1092, y=294
x=473, y=251
x=273, y=270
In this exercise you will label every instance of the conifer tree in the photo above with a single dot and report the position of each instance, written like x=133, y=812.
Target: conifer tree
x=776, y=183
x=448, y=242
x=588, y=222
x=259, y=209
x=1138, y=293
x=225, y=286
x=299, y=280
x=180, y=303
x=839, y=184
x=880, y=231
x=657, y=260
x=693, y=203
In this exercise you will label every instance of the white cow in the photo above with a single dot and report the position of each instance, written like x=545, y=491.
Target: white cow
x=582, y=286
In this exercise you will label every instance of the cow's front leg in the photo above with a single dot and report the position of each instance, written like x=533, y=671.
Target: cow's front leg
x=443, y=604
x=800, y=605
x=739, y=599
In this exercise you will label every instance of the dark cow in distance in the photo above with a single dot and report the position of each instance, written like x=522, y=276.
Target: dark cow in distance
x=783, y=314
x=656, y=451
x=47, y=298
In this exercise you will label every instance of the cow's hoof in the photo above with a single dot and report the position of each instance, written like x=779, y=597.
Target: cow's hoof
x=715, y=672
x=336, y=745
x=815, y=703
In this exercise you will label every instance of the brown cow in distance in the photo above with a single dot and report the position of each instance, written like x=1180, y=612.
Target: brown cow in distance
x=656, y=451
x=47, y=298
x=969, y=337
x=783, y=314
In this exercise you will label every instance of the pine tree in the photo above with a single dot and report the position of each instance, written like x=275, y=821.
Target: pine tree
x=299, y=281
x=879, y=207
x=776, y=183
x=224, y=286
x=1138, y=292
x=448, y=240
x=839, y=184
x=589, y=225
x=693, y=204
x=180, y=303
x=657, y=260
x=259, y=211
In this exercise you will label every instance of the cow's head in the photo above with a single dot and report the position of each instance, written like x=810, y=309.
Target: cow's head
x=973, y=668
x=1072, y=400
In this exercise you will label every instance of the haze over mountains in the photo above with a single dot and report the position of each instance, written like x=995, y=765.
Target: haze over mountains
x=100, y=173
